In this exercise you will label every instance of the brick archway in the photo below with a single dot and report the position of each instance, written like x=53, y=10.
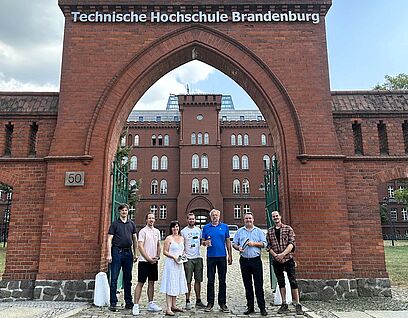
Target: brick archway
x=391, y=174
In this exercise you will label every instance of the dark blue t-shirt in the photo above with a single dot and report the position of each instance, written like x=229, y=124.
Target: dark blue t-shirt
x=218, y=234
x=122, y=233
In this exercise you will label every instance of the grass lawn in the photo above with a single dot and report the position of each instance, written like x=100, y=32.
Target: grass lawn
x=396, y=258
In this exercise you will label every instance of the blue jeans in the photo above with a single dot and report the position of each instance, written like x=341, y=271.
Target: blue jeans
x=121, y=259
x=214, y=263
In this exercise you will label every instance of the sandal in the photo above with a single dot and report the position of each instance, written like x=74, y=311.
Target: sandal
x=170, y=313
x=176, y=309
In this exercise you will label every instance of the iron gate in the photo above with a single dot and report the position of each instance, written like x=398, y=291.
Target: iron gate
x=120, y=185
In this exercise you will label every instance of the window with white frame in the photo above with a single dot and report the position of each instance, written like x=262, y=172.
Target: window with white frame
x=390, y=190
x=160, y=140
x=237, y=211
x=245, y=186
x=9, y=195
x=204, y=186
x=266, y=162
x=163, y=212
x=204, y=161
x=263, y=140
x=404, y=214
x=166, y=140
x=246, y=140
x=235, y=162
x=206, y=139
x=154, y=187
x=393, y=214
x=163, y=186
x=245, y=162
x=193, y=139
x=155, y=163
x=195, y=161
x=162, y=234
x=246, y=209
x=124, y=160
x=133, y=163
x=163, y=163
x=199, y=138
x=233, y=140
x=136, y=140
x=153, y=209
x=153, y=140
x=236, y=186
x=195, y=186
x=239, y=140
x=123, y=141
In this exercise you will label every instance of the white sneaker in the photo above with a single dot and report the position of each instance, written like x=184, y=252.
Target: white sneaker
x=135, y=310
x=189, y=306
x=153, y=307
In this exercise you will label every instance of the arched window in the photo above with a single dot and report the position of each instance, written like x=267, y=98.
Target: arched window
x=206, y=139
x=163, y=212
x=193, y=138
x=245, y=186
x=266, y=162
x=163, y=163
x=204, y=161
x=155, y=163
x=163, y=186
x=153, y=140
x=160, y=140
x=235, y=163
x=123, y=141
x=233, y=140
x=199, y=138
x=247, y=209
x=166, y=140
x=204, y=186
x=136, y=141
x=133, y=163
x=195, y=161
x=195, y=186
x=245, y=162
x=153, y=209
x=246, y=140
x=124, y=160
x=236, y=186
x=239, y=140
x=263, y=140
x=154, y=187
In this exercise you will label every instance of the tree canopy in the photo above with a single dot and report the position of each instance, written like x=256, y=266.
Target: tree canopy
x=397, y=82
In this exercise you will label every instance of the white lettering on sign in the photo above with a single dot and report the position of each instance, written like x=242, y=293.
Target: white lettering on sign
x=198, y=17
x=74, y=179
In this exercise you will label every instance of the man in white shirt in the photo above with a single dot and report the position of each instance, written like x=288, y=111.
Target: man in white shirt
x=194, y=265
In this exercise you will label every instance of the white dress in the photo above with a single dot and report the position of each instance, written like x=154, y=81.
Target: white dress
x=174, y=279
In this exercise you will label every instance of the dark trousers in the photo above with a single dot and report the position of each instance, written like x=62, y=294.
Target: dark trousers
x=214, y=264
x=121, y=259
x=252, y=268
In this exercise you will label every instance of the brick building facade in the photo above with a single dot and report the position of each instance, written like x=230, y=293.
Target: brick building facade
x=328, y=190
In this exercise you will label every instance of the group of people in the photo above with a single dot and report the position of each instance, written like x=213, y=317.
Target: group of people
x=183, y=261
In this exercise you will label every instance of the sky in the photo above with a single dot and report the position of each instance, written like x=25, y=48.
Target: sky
x=367, y=39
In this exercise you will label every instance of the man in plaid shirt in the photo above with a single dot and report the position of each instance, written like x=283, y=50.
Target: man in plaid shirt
x=281, y=244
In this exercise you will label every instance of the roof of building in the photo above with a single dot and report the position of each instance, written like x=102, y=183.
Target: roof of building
x=28, y=102
x=370, y=101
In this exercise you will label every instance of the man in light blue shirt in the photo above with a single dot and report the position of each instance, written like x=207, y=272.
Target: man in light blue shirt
x=249, y=241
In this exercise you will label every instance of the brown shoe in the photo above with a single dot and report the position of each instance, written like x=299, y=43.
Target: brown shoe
x=224, y=308
x=209, y=307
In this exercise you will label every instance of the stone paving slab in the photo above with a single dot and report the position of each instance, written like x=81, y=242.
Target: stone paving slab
x=40, y=309
x=388, y=314
x=351, y=314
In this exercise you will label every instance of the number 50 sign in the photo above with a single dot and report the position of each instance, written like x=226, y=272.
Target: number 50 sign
x=74, y=179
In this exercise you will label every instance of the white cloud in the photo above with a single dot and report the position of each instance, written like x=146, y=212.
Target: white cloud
x=174, y=82
x=13, y=85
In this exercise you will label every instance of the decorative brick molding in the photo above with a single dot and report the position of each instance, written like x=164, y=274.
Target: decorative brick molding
x=69, y=290
x=340, y=289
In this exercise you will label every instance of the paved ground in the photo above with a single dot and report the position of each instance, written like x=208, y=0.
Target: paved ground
x=396, y=307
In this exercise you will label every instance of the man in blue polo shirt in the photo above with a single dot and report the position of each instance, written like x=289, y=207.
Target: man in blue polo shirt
x=216, y=237
x=249, y=240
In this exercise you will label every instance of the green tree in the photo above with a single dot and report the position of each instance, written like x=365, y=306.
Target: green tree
x=399, y=81
x=402, y=196
x=383, y=214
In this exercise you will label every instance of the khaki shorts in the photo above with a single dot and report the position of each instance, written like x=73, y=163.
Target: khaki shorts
x=194, y=266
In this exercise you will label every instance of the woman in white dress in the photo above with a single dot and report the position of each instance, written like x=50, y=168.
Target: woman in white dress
x=174, y=279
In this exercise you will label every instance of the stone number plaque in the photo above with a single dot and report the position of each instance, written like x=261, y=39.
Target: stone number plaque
x=74, y=179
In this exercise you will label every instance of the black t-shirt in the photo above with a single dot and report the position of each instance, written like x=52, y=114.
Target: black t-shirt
x=122, y=233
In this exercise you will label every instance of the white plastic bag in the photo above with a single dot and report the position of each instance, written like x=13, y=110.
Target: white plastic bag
x=101, y=292
x=278, y=297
